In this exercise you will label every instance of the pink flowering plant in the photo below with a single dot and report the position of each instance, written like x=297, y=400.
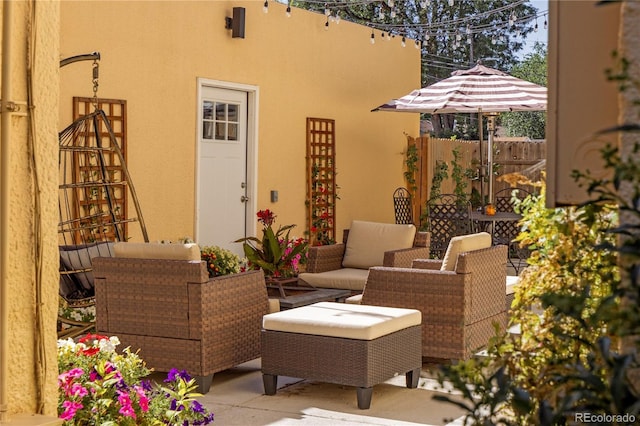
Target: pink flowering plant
x=277, y=253
x=98, y=386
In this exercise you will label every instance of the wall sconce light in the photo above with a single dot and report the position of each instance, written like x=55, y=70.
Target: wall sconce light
x=236, y=24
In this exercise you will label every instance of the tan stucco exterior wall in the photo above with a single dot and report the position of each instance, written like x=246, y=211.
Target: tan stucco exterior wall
x=153, y=52
x=31, y=351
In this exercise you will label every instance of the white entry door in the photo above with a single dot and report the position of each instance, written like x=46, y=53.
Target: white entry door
x=222, y=168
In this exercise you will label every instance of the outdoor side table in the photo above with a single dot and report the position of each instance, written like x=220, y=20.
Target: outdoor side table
x=352, y=345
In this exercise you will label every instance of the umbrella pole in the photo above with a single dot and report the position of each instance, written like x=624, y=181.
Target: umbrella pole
x=490, y=129
x=481, y=170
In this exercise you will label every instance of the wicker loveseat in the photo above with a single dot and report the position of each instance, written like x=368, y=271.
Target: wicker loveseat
x=176, y=315
x=460, y=297
x=365, y=244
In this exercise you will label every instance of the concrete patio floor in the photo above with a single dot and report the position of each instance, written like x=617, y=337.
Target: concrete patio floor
x=236, y=397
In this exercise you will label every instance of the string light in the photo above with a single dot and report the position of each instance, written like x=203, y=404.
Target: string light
x=373, y=38
x=326, y=24
x=417, y=44
x=452, y=29
x=404, y=42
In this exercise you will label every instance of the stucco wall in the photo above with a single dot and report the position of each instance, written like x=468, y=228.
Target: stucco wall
x=153, y=52
x=32, y=348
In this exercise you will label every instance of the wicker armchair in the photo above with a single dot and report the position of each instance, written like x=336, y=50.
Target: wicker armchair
x=459, y=307
x=177, y=316
x=329, y=259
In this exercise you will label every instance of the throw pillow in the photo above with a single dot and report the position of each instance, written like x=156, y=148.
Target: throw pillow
x=461, y=244
x=368, y=241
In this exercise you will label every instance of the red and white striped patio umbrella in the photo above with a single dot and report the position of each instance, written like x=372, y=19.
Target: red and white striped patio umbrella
x=477, y=90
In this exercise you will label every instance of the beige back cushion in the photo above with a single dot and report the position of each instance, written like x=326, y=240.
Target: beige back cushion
x=461, y=244
x=368, y=241
x=157, y=251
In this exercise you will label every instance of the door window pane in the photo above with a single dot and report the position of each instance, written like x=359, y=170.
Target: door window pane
x=220, y=121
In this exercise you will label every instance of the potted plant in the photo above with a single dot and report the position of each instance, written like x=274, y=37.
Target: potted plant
x=277, y=254
x=221, y=261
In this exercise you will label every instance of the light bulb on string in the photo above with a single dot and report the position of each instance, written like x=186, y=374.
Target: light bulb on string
x=288, y=12
x=327, y=11
x=373, y=38
x=337, y=17
x=545, y=22
x=389, y=36
x=416, y=44
x=493, y=40
x=427, y=37
x=326, y=24
x=535, y=28
x=265, y=7
x=403, y=43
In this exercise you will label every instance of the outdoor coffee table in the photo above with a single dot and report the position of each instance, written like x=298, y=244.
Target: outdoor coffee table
x=291, y=295
x=351, y=345
x=301, y=296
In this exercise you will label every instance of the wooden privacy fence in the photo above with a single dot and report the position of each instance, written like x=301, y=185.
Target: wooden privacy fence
x=510, y=155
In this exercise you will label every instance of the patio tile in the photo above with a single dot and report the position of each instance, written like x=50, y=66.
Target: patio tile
x=237, y=397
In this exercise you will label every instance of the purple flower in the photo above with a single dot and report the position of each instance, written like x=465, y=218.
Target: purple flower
x=197, y=407
x=175, y=374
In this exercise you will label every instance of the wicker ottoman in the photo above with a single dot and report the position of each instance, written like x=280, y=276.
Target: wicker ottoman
x=352, y=345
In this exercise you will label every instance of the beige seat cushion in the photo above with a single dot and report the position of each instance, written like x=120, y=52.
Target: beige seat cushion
x=368, y=241
x=157, y=251
x=461, y=244
x=361, y=322
x=345, y=278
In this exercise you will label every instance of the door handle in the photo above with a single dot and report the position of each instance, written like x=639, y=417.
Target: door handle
x=244, y=199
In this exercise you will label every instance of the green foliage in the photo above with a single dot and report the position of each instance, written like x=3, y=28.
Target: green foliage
x=411, y=161
x=529, y=123
x=439, y=175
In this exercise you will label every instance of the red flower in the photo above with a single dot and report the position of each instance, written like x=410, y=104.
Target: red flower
x=266, y=217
